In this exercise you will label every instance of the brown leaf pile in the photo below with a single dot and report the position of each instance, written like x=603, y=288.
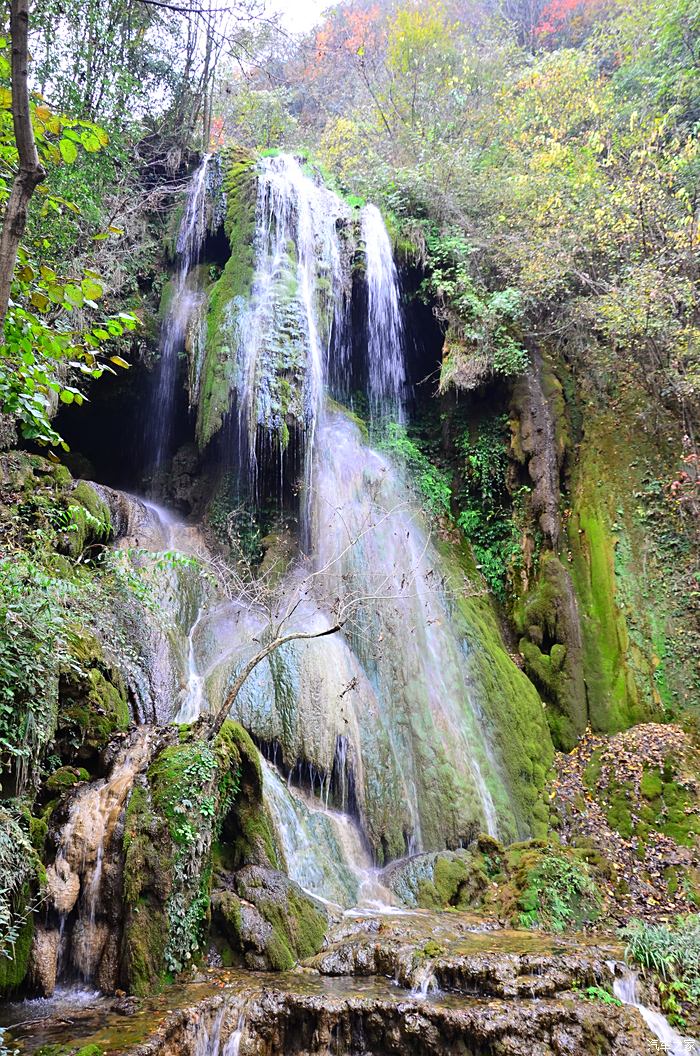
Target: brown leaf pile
x=635, y=867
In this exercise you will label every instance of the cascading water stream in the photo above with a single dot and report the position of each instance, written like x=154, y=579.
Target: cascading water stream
x=193, y=696
x=385, y=328
x=285, y=327
x=323, y=848
x=185, y=301
x=76, y=876
x=625, y=990
x=403, y=634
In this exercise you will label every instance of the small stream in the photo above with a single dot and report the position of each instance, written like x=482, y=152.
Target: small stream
x=625, y=988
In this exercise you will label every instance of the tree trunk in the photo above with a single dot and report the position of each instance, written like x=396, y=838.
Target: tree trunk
x=31, y=171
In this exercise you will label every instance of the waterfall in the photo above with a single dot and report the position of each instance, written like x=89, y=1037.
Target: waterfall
x=186, y=302
x=404, y=634
x=396, y=689
x=323, y=849
x=284, y=330
x=75, y=879
x=625, y=990
x=385, y=329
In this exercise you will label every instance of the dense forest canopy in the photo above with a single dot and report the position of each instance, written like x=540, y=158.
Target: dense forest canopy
x=541, y=159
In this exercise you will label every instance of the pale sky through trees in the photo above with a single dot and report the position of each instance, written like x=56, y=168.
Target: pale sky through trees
x=299, y=15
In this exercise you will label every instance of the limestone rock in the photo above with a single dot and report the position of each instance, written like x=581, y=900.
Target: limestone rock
x=62, y=885
x=43, y=960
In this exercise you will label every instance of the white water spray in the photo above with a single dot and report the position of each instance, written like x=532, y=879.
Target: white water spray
x=385, y=329
x=186, y=301
x=625, y=990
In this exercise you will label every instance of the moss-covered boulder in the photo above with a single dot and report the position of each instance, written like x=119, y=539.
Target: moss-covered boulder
x=65, y=777
x=439, y=880
x=535, y=884
x=93, y=698
x=269, y=921
x=87, y=519
x=174, y=824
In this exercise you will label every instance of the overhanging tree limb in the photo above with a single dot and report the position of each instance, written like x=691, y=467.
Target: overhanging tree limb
x=225, y=709
x=31, y=171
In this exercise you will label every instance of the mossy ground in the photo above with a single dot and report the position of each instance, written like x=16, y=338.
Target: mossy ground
x=536, y=884
x=634, y=800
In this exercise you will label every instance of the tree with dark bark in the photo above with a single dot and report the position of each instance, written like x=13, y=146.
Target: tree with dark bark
x=30, y=172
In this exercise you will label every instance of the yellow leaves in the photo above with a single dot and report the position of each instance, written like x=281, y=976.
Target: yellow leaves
x=69, y=151
x=39, y=300
x=119, y=362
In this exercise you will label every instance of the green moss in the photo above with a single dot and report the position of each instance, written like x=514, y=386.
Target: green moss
x=191, y=787
x=298, y=927
x=665, y=805
x=651, y=785
x=38, y=831
x=89, y=1050
x=229, y=294
x=94, y=702
x=458, y=881
x=145, y=937
x=66, y=777
x=89, y=519
x=631, y=553
x=511, y=705
x=551, y=650
x=13, y=969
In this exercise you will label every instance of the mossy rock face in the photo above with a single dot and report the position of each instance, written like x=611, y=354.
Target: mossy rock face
x=93, y=701
x=88, y=519
x=229, y=293
x=632, y=555
x=39, y=496
x=147, y=883
x=247, y=836
x=659, y=801
x=13, y=970
x=440, y=880
x=552, y=650
x=510, y=705
x=172, y=819
x=298, y=922
x=65, y=777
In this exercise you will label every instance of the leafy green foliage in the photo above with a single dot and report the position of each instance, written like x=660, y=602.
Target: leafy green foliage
x=44, y=357
x=486, y=511
x=482, y=321
x=560, y=895
x=671, y=951
x=35, y=635
x=432, y=483
x=597, y=993
x=17, y=869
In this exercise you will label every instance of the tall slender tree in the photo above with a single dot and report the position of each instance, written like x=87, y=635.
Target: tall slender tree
x=30, y=172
